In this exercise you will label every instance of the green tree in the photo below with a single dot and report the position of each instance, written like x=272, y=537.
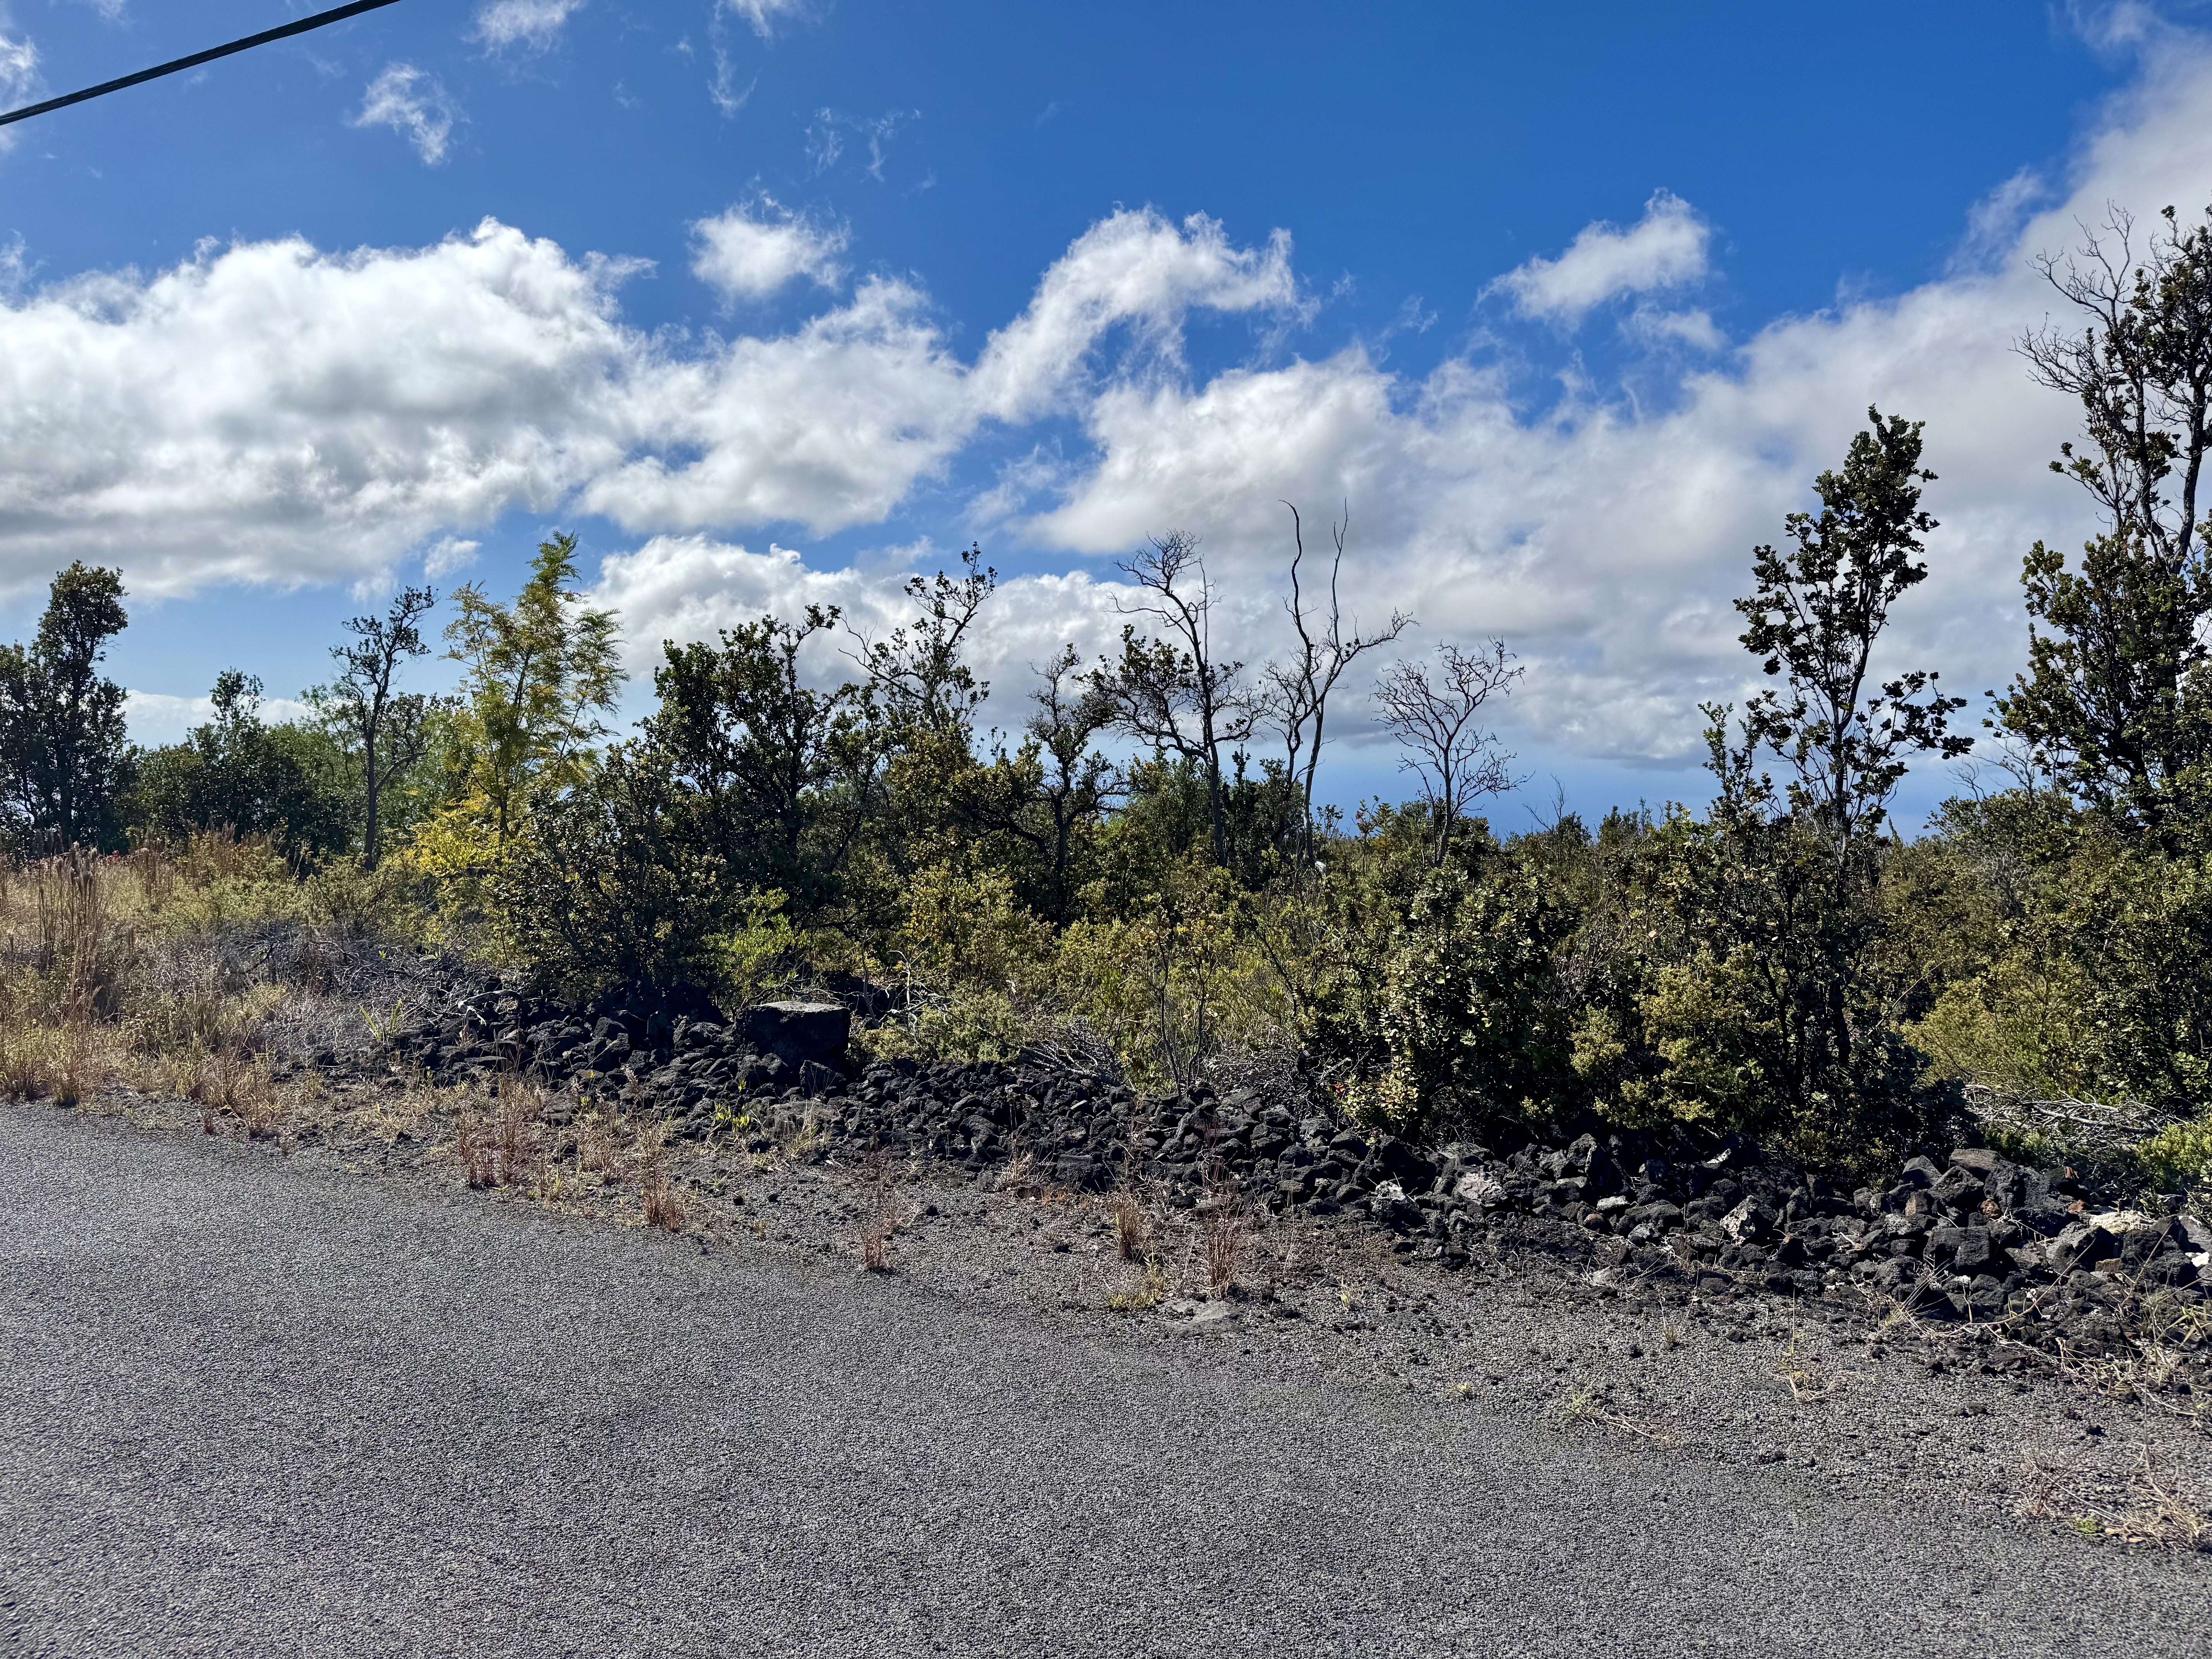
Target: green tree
x=237, y=774
x=540, y=673
x=786, y=773
x=2116, y=700
x=386, y=725
x=1816, y=615
x=63, y=745
x=1043, y=803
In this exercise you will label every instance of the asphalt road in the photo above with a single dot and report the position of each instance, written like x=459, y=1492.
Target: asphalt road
x=251, y=1408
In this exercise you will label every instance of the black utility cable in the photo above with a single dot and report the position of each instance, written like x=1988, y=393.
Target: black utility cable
x=337, y=16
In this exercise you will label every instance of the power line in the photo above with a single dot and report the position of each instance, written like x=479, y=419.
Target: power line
x=336, y=16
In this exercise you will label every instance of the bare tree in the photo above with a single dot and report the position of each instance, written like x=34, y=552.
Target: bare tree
x=2117, y=700
x=388, y=724
x=1299, y=690
x=1434, y=717
x=2142, y=370
x=1172, y=692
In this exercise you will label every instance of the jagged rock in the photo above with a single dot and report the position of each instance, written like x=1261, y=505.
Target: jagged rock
x=800, y=1034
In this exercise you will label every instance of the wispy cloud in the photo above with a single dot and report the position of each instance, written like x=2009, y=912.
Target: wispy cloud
x=825, y=137
x=1666, y=248
x=20, y=81
x=762, y=14
x=415, y=105
x=534, y=24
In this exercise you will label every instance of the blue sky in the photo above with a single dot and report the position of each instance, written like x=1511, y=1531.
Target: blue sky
x=1569, y=302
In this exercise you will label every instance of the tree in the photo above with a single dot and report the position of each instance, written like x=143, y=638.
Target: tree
x=2115, y=700
x=1174, y=693
x=1816, y=615
x=1053, y=792
x=540, y=673
x=388, y=725
x=63, y=744
x=1434, y=718
x=237, y=774
x=784, y=771
x=1301, y=688
x=917, y=673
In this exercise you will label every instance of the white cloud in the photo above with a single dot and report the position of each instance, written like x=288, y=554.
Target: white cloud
x=690, y=587
x=271, y=413
x=1653, y=327
x=1664, y=249
x=751, y=249
x=413, y=104
x=154, y=718
x=1132, y=268
x=20, y=81
x=535, y=24
x=762, y=14
x=450, y=554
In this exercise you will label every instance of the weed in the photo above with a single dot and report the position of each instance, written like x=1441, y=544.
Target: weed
x=880, y=1221
x=1146, y=1291
x=496, y=1142
x=1133, y=1228
x=1588, y=1404
x=1804, y=1374
x=1227, y=1233
x=597, y=1144
x=663, y=1204
x=2153, y=1510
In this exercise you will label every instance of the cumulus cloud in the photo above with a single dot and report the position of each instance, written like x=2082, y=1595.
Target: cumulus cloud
x=751, y=249
x=1664, y=249
x=413, y=104
x=535, y=24
x=158, y=717
x=273, y=413
x=690, y=587
x=269, y=413
x=1131, y=269
x=450, y=554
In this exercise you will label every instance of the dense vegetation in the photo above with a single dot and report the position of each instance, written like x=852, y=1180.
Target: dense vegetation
x=1141, y=873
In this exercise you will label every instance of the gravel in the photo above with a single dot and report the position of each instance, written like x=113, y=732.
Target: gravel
x=253, y=1403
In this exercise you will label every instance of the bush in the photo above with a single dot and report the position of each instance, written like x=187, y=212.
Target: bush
x=2098, y=991
x=1470, y=1012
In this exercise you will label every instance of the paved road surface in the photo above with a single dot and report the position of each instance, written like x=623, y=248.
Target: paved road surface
x=248, y=1408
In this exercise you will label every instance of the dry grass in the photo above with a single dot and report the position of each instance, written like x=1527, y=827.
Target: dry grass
x=1133, y=1228
x=598, y=1144
x=495, y=1138
x=879, y=1220
x=1807, y=1383
x=2153, y=1510
x=1227, y=1234
x=657, y=1196
x=1589, y=1405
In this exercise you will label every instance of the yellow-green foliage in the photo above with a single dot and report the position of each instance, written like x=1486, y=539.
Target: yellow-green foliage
x=2178, y=1159
x=1167, y=990
x=217, y=881
x=459, y=853
x=2099, y=991
x=1172, y=987
x=754, y=963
